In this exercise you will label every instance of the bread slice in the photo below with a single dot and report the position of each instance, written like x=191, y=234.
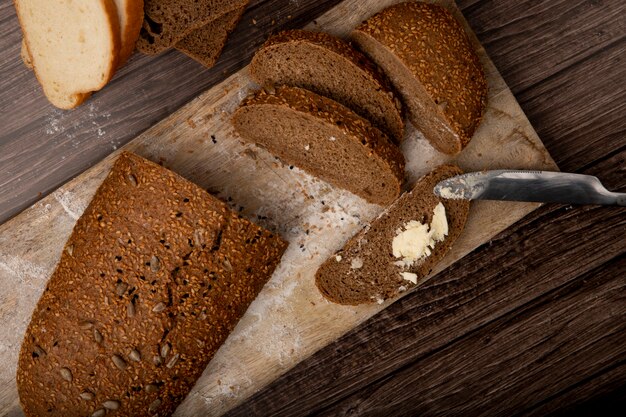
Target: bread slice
x=365, y=270
x=329, y=66
x=154, y=277
x=325, y=139
x=73, y=46
x=168, y=21
x=430, y=60
x=205, y=44
x=130, y=15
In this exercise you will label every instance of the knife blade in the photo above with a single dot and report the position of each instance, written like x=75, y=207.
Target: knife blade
x=535, y=186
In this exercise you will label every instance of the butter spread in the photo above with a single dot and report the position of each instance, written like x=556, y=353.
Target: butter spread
x=409, y=276
x=417, y=240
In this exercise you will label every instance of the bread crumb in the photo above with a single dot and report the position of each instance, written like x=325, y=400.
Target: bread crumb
x=409, y=276
x=307, y=147
x=338, y=258
x=332, y=138
x=356, y=263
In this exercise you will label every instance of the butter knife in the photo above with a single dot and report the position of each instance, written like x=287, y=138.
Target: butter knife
x=536, y=186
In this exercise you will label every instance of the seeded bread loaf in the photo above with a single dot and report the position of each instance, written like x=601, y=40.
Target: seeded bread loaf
x=431, y=62
x=325, y=139
x=366, y=270
x=74, y=46
x=206, y=43
x=153, y=278
x=329, y=66
x=168, y=21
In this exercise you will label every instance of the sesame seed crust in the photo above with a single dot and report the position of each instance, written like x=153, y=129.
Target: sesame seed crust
x=148, y=238
x=433, y=45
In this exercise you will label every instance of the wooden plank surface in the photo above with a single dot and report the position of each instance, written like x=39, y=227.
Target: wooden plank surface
x=42, y=147
x=563, y=59
x=478, y=339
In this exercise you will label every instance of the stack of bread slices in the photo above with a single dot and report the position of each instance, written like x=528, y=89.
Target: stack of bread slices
x=75, y=47
x=336, y=110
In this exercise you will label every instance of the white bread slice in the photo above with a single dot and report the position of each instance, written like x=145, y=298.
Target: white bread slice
x=130, y=15
x=74, y=46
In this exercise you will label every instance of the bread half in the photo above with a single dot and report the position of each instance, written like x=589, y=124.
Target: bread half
x=329, y=66
x=325, y=139
x=430, y=60
x=152, y=280
x=206, y=43
x=366, y=270
x=73, y=46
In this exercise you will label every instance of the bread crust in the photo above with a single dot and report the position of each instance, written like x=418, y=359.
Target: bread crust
x=130, y=31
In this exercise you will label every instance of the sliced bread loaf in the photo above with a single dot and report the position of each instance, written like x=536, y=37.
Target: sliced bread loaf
x=168, y=21
x=329, y=66
x=155, y=275
x=73, y=46
x=205, y=44
x=325, y=139
x=430, y=60
x=366, y=270
x=130, y=16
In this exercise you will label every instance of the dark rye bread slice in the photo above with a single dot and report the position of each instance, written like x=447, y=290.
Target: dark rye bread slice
x=168, y=21
x=329, y=66
x=205, y=44
x=153, y=278
x=431, y=62
x=325, y=139
x=364, y=270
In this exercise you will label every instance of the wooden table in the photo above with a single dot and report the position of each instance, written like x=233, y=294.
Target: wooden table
x=531, y=323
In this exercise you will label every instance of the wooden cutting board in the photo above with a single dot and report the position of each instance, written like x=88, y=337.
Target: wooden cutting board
x=289, y=320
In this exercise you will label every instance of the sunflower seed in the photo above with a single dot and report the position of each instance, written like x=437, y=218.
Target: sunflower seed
x=154, y=405
x=156, y=359
x=99, y=413
x=121, y=288
x=66, y=374
x=135, y=355
x=150, y=388
x=130, y=309
x=69, y=249
x=165, y=350
x=172, y=362
x=85, y=325
x=227, y=265
x=132, y=179
x=97, y=336
x=119, y=362
x=198, y=239
x=155, y=264
x=158, y=307
x=87, y=396
x=111, y=404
